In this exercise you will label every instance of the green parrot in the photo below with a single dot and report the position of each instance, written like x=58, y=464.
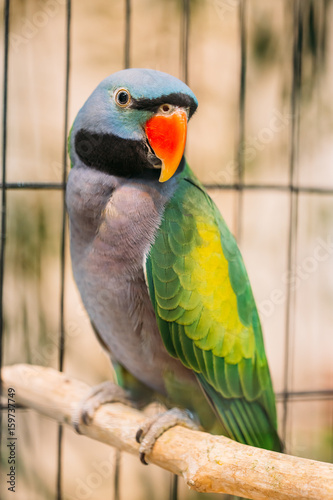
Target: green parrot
x=158, y=270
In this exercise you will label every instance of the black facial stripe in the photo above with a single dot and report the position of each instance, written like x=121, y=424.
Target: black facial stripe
x=182, y=100
x=116, y=156
x=111, y=154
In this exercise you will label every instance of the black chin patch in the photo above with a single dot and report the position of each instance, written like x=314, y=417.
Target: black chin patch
x=116, y=156
x=112, y=154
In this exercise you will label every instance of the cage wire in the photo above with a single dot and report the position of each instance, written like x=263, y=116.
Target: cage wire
x=293, y=188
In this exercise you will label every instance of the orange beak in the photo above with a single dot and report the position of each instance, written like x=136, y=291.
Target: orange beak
x=167, y=137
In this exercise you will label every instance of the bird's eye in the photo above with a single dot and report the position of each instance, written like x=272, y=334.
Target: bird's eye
x=165, y=108
x=122, y=97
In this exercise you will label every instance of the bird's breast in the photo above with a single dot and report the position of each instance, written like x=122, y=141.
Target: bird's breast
x=112, y=225
x=115, y=220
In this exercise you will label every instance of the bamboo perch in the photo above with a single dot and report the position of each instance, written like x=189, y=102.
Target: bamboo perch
x=207, y=463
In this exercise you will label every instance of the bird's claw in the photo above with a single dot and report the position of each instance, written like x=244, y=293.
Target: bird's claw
x=107, y=392
x=155, y=426
x=138, y=435
x=76, y=425
x=143, y=459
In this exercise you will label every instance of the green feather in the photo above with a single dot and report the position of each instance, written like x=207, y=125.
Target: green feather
x=213, y=337
x=164, y=329
x=248, y=378
x=207, y=316
x=193, y=331
x=189, y=299
x=167, y=290
x=164, y=274
x=220, y=378
x=236, y=276
x=175, y=335
x=169, y=260
x=190, y=315
x=200, y=359
x=172, y=302
x=177, y=248
x=183, y=265
x=232, y=380
x=188, y=350
x=243, y=301
x=170, y=315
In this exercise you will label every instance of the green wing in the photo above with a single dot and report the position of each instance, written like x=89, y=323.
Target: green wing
x=207, y=315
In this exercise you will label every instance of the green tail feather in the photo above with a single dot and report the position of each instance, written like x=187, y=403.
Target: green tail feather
x=244, y=421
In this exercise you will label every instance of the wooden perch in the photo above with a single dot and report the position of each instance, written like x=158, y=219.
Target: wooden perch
x=207, y=463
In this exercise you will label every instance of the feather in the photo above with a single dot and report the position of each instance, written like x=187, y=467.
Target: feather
x=207, y=315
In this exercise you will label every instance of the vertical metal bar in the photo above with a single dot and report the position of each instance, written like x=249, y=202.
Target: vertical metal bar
x=3, y=193
x=64, y=178
x=116, y=481
x=127, y=62
x=4, y=171
x=324, y=32
x=241, y=118
x=185, y=33
x=293, y=206
x=173, y=487
x=63, y=242
x=331, y=451
x=323, y=65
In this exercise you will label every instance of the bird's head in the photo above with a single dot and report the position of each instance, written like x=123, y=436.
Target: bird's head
x=134, y=121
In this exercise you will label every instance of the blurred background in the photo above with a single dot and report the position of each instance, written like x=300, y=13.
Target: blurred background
x=261, y=141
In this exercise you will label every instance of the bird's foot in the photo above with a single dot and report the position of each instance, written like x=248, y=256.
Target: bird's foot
x=155, y=426
x=107, y=392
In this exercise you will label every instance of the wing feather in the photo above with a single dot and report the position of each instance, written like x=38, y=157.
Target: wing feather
x=207, y=315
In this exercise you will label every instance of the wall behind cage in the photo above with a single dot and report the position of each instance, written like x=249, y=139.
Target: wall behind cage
x=288, y=249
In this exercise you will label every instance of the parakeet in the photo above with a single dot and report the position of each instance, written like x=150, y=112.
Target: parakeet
x=157, y=268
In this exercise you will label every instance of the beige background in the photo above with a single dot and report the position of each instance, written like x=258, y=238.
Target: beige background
x=35, y=151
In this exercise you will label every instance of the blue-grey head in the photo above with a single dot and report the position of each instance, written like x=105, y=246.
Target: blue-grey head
x=135, y=121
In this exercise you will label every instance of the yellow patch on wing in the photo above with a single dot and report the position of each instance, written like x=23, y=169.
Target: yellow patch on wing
x=226, y=335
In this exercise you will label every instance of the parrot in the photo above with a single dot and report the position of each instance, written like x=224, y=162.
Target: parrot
x=158, y=270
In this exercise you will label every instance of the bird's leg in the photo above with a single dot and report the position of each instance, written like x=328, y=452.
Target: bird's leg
x=155, y=426
x=107, y=392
